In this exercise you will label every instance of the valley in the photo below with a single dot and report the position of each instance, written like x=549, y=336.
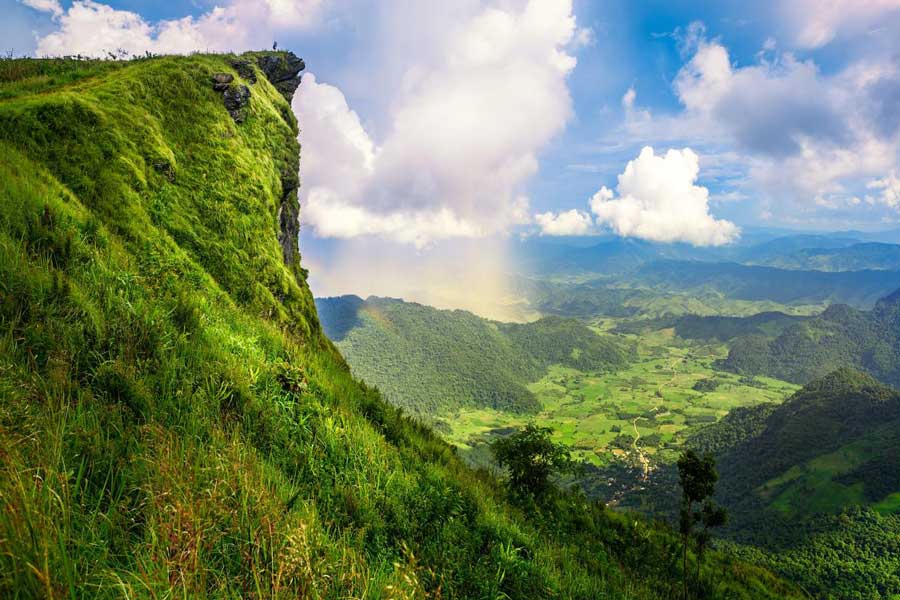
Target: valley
x=643, y=412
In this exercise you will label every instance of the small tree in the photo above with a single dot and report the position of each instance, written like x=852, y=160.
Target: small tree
x=698, y=479
x=531, y=458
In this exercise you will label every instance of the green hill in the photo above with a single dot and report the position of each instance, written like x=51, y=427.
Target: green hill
x=813, y=485
x=173, y=423
x=431, y=361
x=722, y=328
x=840, y=336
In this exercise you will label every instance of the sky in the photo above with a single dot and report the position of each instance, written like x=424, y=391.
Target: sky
x=434, y=131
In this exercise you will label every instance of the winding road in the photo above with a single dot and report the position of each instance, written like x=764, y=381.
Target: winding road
x=642, y=458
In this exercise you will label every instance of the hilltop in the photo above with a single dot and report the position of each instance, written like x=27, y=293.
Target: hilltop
x=174, y=423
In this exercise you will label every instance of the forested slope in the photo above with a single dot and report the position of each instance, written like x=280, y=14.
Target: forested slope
x=841, y=336
x=430, y=361
x=813, y=485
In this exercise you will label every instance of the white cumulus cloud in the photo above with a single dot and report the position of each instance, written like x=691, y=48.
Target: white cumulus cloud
x=476, y=103
x=889, y=187
x=658, y=200
x=49, y=6
x=570, y=222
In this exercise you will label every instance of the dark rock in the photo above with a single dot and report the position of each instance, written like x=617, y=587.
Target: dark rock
x=237, y=98
x=283, y=71
x=164, y=168
x=221, y=81
x=289, y=214
x=245, y=70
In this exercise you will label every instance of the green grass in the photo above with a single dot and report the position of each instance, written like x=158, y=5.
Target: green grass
x=172, y=421
x=889, y=505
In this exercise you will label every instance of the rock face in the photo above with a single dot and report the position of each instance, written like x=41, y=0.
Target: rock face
x=245, y=69
x=283, y=71
x=237, y=97
x=221, y=81
x=289, y=214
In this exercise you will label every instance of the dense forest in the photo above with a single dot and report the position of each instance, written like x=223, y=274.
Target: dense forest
x=840, y=336
x=431, y=361
x=721, y=328
x=812, y=485
x=173, y=423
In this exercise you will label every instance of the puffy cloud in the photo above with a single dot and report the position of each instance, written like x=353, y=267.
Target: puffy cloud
x=475, y=104
x=816, y=23
x=658, y=200
x=794, y=138
x=570, y=222
x=768, y=107
x=94, y=29
x=890, y=190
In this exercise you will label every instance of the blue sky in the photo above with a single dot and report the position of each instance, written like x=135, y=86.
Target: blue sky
x=427, y=122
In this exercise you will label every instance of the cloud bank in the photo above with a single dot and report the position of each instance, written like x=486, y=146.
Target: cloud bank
x=570, y=222
x=795, y=138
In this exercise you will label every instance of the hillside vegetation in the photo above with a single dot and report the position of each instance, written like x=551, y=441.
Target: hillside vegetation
x=432, y=361
x=172, y=421
x=841, y=336
x=813, y=484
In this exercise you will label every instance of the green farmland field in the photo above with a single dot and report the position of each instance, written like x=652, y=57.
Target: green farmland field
x=638, y=415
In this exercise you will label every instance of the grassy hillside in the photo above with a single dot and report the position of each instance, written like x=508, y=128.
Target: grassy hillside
x=840, y=336
x=172, y=421
x=432, y=361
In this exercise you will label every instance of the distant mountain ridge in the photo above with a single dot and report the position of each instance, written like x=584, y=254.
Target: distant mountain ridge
x=859, y=288
x=622, y=256
x=854, y=257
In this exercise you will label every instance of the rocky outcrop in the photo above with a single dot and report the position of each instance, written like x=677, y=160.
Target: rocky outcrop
x=245, y=69
x=237, y=98
x=221, y=81
x=289, y=211
x=283, y=70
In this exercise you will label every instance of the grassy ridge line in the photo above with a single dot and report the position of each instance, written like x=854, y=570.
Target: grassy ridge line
x=172, y=423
